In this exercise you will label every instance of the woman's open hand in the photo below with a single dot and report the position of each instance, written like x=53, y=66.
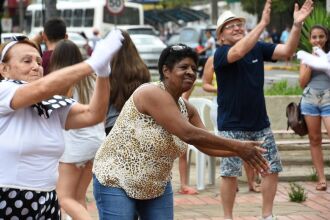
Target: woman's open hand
x=251, y=153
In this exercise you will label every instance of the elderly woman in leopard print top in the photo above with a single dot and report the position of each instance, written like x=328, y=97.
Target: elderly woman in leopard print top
x=132, y=168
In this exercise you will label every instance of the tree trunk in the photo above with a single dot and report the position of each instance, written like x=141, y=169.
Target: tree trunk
x=1, y=15
x=50, y=6
x=21, y=15
x=214, y=11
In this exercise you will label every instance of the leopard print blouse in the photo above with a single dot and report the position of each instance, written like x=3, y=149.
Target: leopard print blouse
x=138, y=154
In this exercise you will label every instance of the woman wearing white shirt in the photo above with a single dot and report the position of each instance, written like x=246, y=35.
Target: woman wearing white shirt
x=31, y=124
x=75, y=168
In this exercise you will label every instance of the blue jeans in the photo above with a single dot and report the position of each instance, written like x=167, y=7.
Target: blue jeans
x=114, y=204
x=315, y=102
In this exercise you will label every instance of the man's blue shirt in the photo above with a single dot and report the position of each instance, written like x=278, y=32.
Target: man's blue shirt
x=241, y=102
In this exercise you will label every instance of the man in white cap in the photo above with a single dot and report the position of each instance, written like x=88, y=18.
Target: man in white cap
x=239, y=68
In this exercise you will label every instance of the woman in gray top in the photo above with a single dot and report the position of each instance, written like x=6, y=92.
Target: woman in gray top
x=128, y=73
x=315, y=104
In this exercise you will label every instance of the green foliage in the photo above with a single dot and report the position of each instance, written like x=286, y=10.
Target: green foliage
x=251, y=6
x=318, y=16
x=278, y=6
x=313, y=175
x=282, y=10
x=282, y=88
x=297, y=193
x=176, y=3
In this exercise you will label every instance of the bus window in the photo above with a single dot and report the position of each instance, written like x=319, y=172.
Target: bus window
x=58, y=13
x=67, y=14
x=89, y=17
x=77, y=17
x=37, y=18
x=129, y=16
x=84, y=15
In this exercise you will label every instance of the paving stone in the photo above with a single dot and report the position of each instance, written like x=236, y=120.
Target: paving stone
x=207, y=204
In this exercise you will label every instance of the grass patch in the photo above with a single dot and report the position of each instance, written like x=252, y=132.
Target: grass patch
x=313, y=175
x=282, y=88
x=297, y=193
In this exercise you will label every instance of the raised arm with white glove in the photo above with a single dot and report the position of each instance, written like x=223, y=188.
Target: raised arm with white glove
x=104, y=51
x=319, y=61
x=319, y=52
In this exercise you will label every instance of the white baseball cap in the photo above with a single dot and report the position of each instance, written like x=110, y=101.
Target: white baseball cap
x=225, y=17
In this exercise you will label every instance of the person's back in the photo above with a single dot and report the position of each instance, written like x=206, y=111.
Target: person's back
x=275, y=36
x=128, y=73
x=285, y=35
x=54, y=31
x=75, y=168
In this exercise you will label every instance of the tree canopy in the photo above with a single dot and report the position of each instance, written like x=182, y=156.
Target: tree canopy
x=278, y=6
x=282, y=10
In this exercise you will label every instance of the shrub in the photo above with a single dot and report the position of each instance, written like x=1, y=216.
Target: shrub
x=297, y=193
x=282, y=88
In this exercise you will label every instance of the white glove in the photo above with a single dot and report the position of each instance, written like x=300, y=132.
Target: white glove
x=319, y=52
x=103, y=53
x=319, y=62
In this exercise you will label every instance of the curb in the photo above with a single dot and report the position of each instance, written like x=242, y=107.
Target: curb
x=288, y=68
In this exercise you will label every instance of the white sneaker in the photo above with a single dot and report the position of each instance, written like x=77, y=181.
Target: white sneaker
x=273, y=217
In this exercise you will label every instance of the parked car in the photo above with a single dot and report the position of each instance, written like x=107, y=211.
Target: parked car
x=194, y=37
x=139, y=29
x=149, y=48
x=79, y=41
x=174, y=39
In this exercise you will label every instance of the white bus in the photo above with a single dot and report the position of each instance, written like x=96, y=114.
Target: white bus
x=85, y=15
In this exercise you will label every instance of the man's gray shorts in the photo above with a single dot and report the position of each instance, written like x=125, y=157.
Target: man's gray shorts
x=232, y=166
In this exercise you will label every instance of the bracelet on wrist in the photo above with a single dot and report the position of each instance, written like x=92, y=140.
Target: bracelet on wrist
x=298, y=24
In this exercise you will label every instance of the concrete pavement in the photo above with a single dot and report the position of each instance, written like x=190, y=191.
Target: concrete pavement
x=207, y=204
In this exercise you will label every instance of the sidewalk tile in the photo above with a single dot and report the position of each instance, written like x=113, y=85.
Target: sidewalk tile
x=316, y=206
x=207, y=204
